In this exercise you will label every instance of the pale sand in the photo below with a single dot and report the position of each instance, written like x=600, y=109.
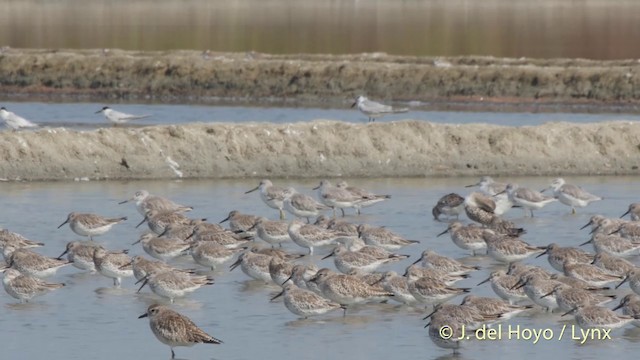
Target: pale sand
x=321, y=149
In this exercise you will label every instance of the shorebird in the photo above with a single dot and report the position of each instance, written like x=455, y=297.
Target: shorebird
x=174, y=329
x=25, y=287
x=557, y=256
x=272, y=232
x=370, y=198
x=271, y=195
x=526, y=198
x=450, y=205
x=14, y=121
x=507, y=249
x=33, y=264
x=241, y=223
x=80, y=254
x=146, y=202
x=382, y=237
x=598, y=317
x=301, y=205
x=173, y=284
x=495, y=190
x=466, y=237
x=311, y=236
x=114, y=265
x=504, y=286
x=634, y=211
x=630, y=305
x=305, y=303
x=430, y=259
x=337, y=198
x=569, y=297
x=374, y=109
x=571, y=195
x=90, y=224
x=117, y=117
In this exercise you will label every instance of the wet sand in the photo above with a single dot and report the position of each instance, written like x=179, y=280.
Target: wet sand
x=191, y=76
x=321, y=149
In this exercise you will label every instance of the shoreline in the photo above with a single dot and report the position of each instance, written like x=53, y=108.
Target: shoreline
x=321, y=148
x=190, y=76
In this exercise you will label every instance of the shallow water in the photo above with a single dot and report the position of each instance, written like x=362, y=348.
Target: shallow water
x=88, y=319
x=545, y=28
x=82, y=115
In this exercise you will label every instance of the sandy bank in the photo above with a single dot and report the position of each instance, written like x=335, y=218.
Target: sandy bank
x=321, y=149
x=190, y=76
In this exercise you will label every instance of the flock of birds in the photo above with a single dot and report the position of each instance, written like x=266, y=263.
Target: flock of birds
x=371, y=109
x=17, y=122
x=358, y=251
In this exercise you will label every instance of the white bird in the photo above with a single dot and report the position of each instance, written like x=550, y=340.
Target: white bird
x=374, y=109
x=14, y=121
x=118, y=117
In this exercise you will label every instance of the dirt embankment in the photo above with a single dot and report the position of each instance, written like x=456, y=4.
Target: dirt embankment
x=193, y=76
x=321, y=149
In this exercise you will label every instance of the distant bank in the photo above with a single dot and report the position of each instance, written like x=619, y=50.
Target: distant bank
x=193, y=76
x=321, y=149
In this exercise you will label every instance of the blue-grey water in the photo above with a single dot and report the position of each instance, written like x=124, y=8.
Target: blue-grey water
x=89, y=320
x=83, y=116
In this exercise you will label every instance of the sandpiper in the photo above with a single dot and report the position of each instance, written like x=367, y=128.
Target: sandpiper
x=146, y=202
x=305, y=303
x=369, y=197
x=450, y=205
x=114, y=265
x=271, y=195
x=466, y=237
x=173, y=284
x=382, y=237
x=571, y=195
x=174, y=329
x=25, y=287
x=80, y=253
x=90, y=224
x=301, y=205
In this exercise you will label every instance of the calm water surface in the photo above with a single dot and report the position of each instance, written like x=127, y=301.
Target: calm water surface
x=82, y=115
x=88, y=319
x=597, y=29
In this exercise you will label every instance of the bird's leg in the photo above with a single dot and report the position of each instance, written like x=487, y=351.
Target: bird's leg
x=281, y=214
x=573, y=210
x=173, y=355
x=341, y=209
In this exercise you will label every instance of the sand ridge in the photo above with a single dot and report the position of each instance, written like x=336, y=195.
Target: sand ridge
x=321, y=148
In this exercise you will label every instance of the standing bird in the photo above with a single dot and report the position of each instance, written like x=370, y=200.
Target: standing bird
x=634, y=210
x=90, y=224
x=528, y=199
x=271, y=195
x=174, y=329
x=450, y=205
x=146, y=202
x=14, y=121
x=302, y=205
x=370, y=198
x=571, y=195
x=25, y=287
x=374, y=109
x=118, y=117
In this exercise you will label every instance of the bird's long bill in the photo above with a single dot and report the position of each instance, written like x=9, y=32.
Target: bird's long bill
x=191, y=235
x=66, y=221
x=316, y=188
x=585, y=225
x=289, y=278
x=518, y=285
x=124, y=202
x=586, y=242
x=252, y=190
x=625, y=214
x=618, y=307
x=330, y=255
x=500, y=193
x=137, y=241
x=483, y=281
x=568, y=312
x=472, y=185
x=99, y=111
x=545, y=295
x=143, y=284
x=442, y=233
x=595, y=229
x=626, y=278
x=417, y=261
x=277, y=296
x=143, y=316
x=142, y=222
x=431, y=313
x=63, y=254
x=543, y=253
x=125, y=265
x=235, y=264
x=225, y=219
x=166, y=229
x=354, y=104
